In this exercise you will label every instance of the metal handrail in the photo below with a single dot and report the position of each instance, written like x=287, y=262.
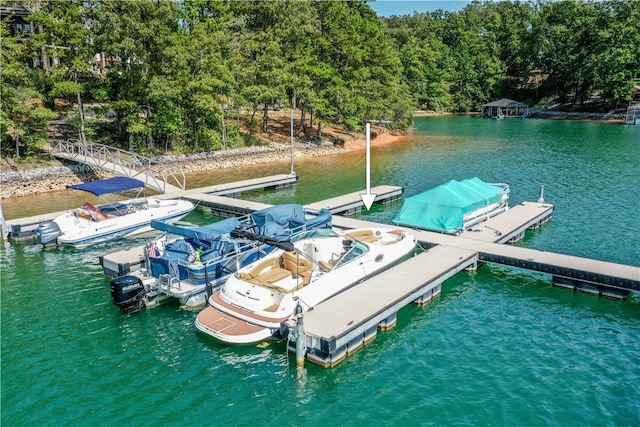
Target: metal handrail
x=120, y=162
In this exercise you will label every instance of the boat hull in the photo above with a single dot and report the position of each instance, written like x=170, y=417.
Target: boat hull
x=246, y=310
x=80, y=232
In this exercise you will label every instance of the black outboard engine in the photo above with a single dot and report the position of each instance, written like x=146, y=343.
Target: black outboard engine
x=47, y=233
x=127, y=292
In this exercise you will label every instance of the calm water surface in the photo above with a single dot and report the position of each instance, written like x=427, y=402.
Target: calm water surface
x=498, y=347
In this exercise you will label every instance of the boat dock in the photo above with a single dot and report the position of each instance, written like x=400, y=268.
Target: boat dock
x=349, y=204
x=126, y=261
x=338, y=327
x=220, y=199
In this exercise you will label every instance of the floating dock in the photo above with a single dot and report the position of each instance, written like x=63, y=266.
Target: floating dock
x=341, y=325
x=349, y=204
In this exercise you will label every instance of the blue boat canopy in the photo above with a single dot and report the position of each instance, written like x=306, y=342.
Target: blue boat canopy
x=109, y=185
x=443, y=208
x=210, y=232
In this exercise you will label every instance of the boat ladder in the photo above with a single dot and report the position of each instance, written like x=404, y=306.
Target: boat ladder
x=164, y=284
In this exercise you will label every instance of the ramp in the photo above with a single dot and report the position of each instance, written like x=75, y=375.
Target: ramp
x=120, y=162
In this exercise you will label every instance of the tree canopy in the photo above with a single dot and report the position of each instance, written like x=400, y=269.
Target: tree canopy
x=172, y=74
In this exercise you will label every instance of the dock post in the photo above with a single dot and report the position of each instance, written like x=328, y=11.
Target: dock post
x=4, y=228
x=541, y=198
x=300, y=340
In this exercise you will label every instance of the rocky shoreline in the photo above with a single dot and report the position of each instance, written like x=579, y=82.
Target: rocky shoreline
x=18, y=183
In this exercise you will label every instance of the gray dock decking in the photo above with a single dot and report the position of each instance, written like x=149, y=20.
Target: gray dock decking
x=339, y=326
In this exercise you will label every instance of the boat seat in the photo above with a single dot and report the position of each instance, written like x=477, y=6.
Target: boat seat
x=362, y=235
x=306, y=278
x=294, y=263
x=325, y=266
x=255, y=271
x=272, y=276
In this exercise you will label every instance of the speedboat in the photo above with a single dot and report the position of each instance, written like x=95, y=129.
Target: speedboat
x=194, y=261
x=255, y=303
x=89, y=224
x=454, y=206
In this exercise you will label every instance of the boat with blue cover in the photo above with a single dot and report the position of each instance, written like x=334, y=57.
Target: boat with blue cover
x=454, y=206
x=88, y=224
x=187, y=263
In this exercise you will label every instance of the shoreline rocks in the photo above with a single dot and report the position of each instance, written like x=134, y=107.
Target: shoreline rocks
x=54, y=178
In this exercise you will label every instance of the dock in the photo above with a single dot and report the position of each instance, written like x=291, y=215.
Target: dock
x=341, y=325
x=349, y=204
x=123, y=262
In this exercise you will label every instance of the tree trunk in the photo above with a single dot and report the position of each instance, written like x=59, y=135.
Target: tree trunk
x=83, y=137
x=303, y=125
x=265, y=118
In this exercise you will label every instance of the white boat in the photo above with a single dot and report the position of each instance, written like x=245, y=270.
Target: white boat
x=454, y=206
x=255, y=303
x=89, y=224
x=195, y=261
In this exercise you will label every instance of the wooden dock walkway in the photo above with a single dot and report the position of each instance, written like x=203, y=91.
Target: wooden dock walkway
x=581, y=271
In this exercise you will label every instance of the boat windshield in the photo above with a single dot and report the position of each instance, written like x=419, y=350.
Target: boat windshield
x=357, y=250
x=322, y=233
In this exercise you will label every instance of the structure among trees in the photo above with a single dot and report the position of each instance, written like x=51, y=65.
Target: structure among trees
x=504, y=108
x=633, y=115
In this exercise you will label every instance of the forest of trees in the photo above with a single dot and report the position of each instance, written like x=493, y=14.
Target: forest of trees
x=172, y=73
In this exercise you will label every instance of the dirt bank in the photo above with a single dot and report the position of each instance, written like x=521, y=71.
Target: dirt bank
x=28, y=180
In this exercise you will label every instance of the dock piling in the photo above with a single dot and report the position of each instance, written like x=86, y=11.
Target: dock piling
x=300, y=337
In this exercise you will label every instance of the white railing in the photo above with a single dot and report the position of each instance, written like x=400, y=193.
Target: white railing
x=120, y=162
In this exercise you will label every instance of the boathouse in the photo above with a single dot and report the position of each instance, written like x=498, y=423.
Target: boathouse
x=504, y=108
x=633, y=115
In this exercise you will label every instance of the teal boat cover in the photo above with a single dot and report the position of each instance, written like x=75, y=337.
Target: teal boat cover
x=443, y=208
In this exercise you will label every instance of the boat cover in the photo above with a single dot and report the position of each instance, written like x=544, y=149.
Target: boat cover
x=109, y=185
x=208, y=232
x=281, y=221
x=443, y=208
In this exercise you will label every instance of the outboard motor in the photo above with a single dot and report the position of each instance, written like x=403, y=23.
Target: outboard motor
x=127, y=292
x=47, y=233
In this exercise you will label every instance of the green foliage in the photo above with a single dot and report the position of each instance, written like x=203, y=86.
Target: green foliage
x=175, y=71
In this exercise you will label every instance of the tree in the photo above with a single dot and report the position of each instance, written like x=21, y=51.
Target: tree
x=23, y=116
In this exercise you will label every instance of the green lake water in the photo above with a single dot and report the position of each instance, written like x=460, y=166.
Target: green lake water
x=500, y=346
